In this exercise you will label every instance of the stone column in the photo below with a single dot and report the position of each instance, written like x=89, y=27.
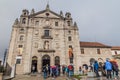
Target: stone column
x=52, y=59
x=39, y=65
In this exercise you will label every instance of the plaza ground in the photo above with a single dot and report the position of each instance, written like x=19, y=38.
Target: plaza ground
x=40, y=77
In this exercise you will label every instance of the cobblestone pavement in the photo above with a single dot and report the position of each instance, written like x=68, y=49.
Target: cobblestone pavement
x=39, y=77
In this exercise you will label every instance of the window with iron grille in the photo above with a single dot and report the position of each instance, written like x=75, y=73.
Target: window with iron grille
x=18, y=61
x=46, y=33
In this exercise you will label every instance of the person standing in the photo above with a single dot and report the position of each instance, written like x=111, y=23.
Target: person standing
x=44, y=72
x=96, y=67
x=80, y=70
x=33, y=69
x=115, y=69
x=108, y=68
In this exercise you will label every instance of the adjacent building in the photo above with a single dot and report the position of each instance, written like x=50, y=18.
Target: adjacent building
x=91, y=51
x=116, y=54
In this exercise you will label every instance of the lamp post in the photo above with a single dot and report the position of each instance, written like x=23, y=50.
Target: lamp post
x=4, y=59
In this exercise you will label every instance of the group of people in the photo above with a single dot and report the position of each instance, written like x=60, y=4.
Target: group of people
x=68, y=70
x=54, y=71
x=109, y=69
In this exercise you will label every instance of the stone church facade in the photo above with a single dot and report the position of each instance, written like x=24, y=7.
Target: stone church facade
x=43, y=38
x=48, y=38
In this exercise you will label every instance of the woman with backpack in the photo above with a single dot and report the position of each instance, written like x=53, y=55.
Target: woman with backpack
x=115, y=69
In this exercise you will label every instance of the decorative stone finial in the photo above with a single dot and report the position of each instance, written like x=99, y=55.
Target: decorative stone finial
x=47, y=7
x=61, y=13
x=32, y=11
x=75, y=24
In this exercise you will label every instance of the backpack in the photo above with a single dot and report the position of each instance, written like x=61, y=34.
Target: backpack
x=114, y=66
x=70, y=67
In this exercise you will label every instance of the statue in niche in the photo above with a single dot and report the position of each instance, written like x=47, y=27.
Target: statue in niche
x=20, y=50
x=70, y=52
x=46, y=45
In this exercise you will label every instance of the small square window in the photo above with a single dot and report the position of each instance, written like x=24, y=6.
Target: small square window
x=56, y=23
x=20, y=46
x=22, y=30
x=18, y=61
x=69, y=31
x=69, y=38
x=115, y=52
x=98, y=51
x=46, y=33
x=70, y=46
x=82, y=51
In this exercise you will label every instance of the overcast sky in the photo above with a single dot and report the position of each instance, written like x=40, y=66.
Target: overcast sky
x=98, y=20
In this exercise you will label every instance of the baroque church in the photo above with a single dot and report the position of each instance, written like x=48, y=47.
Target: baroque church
x=48, y=38
x=43, y=38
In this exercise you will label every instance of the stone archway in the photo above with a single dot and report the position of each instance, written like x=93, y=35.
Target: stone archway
x=45, y=60
x=92, y=60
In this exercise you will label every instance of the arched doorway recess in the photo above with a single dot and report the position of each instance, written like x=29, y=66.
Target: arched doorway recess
x=34, y=64
x=45, y=60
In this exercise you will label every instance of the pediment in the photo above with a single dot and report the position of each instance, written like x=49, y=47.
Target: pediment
x=46, y=13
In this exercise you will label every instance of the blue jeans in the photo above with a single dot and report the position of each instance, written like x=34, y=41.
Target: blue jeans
x=45, y=75
x=70, y=73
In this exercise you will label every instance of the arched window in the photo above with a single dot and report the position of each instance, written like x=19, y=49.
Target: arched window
x=69, y=38
x=68, y=23
x=57, y=60
x=23, y=20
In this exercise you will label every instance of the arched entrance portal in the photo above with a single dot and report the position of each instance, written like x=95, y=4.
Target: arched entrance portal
x=45, y=60
x=34, y=64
